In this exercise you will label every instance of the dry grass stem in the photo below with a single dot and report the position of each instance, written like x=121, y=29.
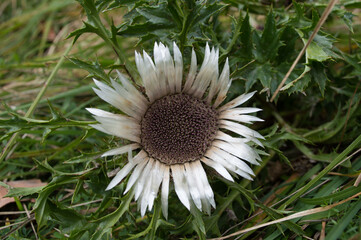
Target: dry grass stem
x=315, y=31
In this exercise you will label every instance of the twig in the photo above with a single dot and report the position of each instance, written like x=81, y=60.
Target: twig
x=21, y=224
x=358, y=180
x=31, y=223
x=317, y=220
x=307, y=237
x=86, y=203
x=314, y=188
x=12, y=213
x=323, y=231
x=10, y=225
x=354, y=153
x=317, y=28
x=65, y=235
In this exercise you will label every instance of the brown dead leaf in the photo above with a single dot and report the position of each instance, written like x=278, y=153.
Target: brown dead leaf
x=17, y=184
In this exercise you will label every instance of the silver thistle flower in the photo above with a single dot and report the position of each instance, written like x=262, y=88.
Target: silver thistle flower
x=178, y=126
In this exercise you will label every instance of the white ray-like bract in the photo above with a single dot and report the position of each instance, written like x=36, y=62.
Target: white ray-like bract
x=228, y=143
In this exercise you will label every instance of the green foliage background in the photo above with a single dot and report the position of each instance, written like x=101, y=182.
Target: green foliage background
x=313, y=125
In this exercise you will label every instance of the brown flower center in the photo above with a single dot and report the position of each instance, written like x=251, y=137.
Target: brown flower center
x=178, y=128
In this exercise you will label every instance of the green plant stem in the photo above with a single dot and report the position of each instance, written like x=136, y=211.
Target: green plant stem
x=32, y=107
x=183, y=34
x=236, y=34
x=112, y=41
x=47, y=28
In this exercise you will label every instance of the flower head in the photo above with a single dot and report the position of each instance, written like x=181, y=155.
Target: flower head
x=176, y=127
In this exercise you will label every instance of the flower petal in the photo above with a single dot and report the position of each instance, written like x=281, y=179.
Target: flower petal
x=112, y=97
x=214, y=85
x=180, y=185
x=242, y=110
x=242, y=151
x=120, y=175
x=239, y=129
x=201, y=175
x=120, y=127
x=227, y=138
x=102, y=113
x=219, y=168
x=157, y=173
x=207, y=74
x=138, y=102
x=228, y=164
x=193, y=189
x=178, y=64
x=192, y=73
x=216, y=158
x=143, y=68
x=126, y=169
x=207, y=54
x=144, y=197
x=243, y=174
x=130, y=88
x=165, y=67
x=121, y=150
x=165, y=191
x=224, y=84
x=135, y=175
x=151, y=72
x=240, y=118
x=140, y=184
x=237, y=101
x=169, y=69
x=160, y=68
x=217, y=83
x=233, y=160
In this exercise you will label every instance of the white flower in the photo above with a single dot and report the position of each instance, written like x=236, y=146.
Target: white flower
x=176, y=127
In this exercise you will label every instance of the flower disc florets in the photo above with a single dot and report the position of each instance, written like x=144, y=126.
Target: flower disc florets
x=178, y=128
